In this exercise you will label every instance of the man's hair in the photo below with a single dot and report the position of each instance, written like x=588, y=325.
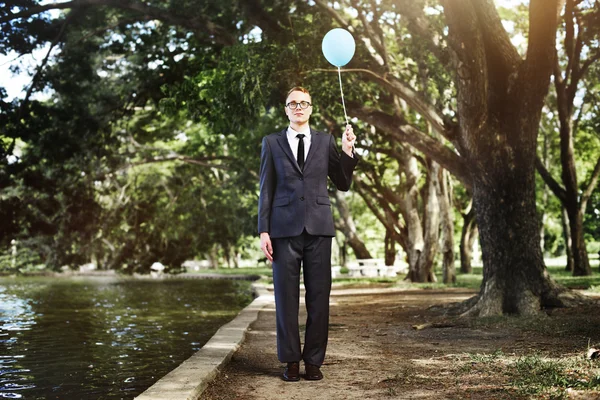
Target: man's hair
x=297, y=89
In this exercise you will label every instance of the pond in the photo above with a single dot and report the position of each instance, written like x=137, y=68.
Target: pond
x=105, y=338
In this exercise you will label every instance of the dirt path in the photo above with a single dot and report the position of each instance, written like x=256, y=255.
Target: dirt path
x=375, y=353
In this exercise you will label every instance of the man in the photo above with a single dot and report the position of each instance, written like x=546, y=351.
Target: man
x=296, y=226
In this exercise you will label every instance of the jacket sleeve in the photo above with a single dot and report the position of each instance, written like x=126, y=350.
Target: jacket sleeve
x=267, y=187
x=341, y=166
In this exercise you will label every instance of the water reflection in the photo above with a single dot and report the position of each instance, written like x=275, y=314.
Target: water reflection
x=105, y=338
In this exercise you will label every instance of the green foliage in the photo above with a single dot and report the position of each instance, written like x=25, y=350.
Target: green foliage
x=25, y=260
x=486, y=358
x=149, y=146
x=534, y=375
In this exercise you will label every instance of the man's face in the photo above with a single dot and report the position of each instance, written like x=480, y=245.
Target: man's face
x=298, y=115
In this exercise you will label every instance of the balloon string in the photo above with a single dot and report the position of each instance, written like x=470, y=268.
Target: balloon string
x=342, y=91
x=343, y=102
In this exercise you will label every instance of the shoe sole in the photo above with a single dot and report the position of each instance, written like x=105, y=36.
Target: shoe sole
x=313, y=378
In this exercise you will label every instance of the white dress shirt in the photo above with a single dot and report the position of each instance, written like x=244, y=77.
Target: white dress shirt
x=293, y=141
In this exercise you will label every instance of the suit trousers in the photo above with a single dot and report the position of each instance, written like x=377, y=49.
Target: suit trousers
x=314, y=253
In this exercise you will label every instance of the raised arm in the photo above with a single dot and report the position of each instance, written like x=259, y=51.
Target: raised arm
x=341, y=166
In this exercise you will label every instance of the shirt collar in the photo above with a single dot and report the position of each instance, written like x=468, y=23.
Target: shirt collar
x=292, y=132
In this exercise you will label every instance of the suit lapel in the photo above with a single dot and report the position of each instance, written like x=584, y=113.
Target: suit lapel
x=315, y=142
x=285, y=146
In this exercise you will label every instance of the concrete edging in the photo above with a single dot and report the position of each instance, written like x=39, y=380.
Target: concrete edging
x=190, y=379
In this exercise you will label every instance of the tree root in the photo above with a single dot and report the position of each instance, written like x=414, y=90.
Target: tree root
x=491, y=302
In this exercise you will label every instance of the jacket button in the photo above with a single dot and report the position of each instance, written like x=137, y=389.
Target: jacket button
x=301, y=198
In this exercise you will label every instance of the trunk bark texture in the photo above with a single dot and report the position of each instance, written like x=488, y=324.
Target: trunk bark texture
x=421, y=243
x=447, y=224
x=567, y=237
x=390, y=248
x=514, y=275
x=431, y=222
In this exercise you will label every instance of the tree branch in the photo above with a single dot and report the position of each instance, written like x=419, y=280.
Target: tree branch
x=414, y=99
x=586, y=64
x=377, y=42
x=400, y=131
x=418, y=25
x=334, y=14
x=590, y=187
x=537, y=67
x=197, y=23
x=364, y=190
x=558, y=191
x=498, y=46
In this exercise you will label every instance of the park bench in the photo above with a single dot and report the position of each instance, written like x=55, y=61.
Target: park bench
x=371, y=268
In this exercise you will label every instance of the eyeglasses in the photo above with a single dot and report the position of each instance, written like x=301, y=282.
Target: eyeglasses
x=292, y=105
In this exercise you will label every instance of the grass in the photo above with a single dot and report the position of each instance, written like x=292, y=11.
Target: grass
x=485, y=358
x=594, y=289
x=533, y=375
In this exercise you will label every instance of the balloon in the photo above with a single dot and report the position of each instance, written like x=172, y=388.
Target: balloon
x=338, y=47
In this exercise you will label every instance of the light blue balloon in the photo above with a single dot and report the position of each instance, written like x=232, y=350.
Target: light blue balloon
x=338, y=47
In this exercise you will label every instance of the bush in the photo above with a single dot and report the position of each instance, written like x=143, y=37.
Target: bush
x=26, y=260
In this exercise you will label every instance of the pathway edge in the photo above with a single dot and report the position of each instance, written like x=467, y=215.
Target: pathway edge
x=190, y=378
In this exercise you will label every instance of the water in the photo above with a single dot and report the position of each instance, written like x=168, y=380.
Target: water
x=105, y=338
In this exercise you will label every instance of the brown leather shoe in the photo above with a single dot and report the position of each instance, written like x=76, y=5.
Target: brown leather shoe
x=313, y=373
x=292, y=372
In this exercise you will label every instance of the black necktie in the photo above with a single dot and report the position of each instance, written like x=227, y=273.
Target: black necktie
x=300, y=157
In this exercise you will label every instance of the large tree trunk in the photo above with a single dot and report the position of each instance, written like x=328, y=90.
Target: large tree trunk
x=213, y=256
x=447, y=223
x=568, y=241
x=346, y=225
x=514, y=275
x=467, y=240
x=422, y=240
x=390, y=248
x=581, y=262
x=342, y=253
x=500, y=98
x=423, y=271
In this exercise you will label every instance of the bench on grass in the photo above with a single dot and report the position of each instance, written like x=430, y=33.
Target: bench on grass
x=371, y=268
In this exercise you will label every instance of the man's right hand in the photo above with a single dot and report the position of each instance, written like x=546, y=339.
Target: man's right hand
x=265, y=245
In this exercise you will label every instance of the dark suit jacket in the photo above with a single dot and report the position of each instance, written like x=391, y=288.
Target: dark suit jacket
x=292, y=200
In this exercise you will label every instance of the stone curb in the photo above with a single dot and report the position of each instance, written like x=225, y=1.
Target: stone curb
x=190, y=379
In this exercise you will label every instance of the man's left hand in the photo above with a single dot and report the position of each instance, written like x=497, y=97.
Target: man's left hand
x=348, y=140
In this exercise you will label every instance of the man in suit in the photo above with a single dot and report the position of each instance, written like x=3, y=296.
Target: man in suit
x=296, y=226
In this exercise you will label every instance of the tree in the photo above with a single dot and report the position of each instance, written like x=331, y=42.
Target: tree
x=500, y=97
x=580, y=26
x=499, y=100
x=487, y=122
x=76, y=194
